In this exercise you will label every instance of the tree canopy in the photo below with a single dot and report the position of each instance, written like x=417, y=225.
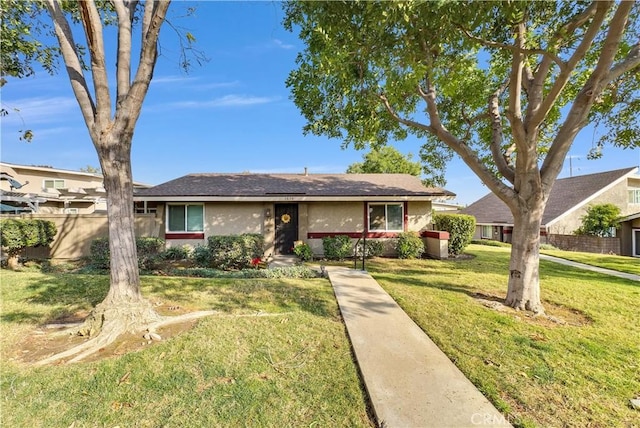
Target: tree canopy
x=506, y=86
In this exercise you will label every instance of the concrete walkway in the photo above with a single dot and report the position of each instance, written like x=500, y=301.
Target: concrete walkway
x=410, y=381
x=591, y=268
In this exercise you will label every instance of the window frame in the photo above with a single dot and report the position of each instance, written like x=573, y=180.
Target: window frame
x=186, y=218
x=482, y=232
x=634, y=196
x=53, y=182
x=386, y=216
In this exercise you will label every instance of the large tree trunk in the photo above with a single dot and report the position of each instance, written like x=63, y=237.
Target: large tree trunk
x=124, y=308
x=523, y=291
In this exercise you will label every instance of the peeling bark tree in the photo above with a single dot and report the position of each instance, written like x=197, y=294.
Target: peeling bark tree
x=111, y=126
x=506, y=86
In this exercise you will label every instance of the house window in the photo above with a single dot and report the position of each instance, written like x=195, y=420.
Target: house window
x=185, y=218
x=386, y=217
x=636, y=242
x=634, y=196
x=487, y=232
x=53, y=184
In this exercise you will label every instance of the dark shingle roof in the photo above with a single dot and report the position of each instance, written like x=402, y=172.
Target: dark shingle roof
x=566, y=193
x=311, y=185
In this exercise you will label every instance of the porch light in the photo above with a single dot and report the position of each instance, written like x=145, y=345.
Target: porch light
x=267, y=212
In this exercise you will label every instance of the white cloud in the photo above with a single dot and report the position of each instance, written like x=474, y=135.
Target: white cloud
x=39, y=110
x=279, y=43
x=226, y=101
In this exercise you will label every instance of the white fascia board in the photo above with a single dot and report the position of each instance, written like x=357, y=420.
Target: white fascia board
x=280, y=198
x=592, y=197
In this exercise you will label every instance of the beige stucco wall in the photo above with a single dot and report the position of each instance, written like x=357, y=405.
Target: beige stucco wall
x=617, y=195
x=75, y=232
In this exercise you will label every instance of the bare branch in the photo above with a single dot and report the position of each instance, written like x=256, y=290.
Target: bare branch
x=73, y=64
x=436, y=128
x=536, y=92
x=123, y=65
x=591, y=90
x=592, y=31
x=497, y=138
x=631, y=61
x=514, y=114
x=92, y=25
x=517, y=50
x=129, y=109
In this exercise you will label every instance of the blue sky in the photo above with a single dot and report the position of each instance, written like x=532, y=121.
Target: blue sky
x=232, y=114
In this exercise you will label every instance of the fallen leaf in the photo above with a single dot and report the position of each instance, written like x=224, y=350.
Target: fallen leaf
x=124, y=378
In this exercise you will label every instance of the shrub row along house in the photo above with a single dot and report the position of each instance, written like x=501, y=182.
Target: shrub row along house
x=285, y=208
x=568, y=203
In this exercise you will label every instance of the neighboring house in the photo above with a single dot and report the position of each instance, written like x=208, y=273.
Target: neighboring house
x=445, y=207
x=630, y=235
x=285, y=208
x=567, y=204
x=46, y=190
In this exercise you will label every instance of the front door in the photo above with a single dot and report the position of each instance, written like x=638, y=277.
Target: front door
x=286, y=217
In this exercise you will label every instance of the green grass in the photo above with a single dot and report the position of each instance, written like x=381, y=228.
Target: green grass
x=619, y=263
x=288, y=370
x=539, y=373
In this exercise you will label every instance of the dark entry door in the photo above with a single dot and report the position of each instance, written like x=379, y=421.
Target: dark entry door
x=286, y=217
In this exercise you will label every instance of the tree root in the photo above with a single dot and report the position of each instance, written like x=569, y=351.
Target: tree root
x=112, y=328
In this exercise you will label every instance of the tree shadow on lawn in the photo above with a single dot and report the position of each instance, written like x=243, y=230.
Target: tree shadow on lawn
x=175, y=295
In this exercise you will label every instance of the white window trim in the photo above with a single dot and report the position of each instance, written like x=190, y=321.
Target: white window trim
x=186, y=204
x=386, y=216
x=483, y=235
x=635, y=199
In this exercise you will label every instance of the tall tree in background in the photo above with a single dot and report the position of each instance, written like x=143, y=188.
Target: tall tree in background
x=385, y=160
x=506, y=86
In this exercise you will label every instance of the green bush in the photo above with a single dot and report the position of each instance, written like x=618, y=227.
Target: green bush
x=409, y=245
x=149, y=252
x=176, y=253
x=372, y=248
x=99, y=253
x=202, y=256
x=337, y=247
x=17, y=234
x=303, y=251
x=232, y=252
x=460, y=227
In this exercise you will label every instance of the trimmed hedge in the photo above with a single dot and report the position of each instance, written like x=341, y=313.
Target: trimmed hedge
x=337, y=247
x=17, y=234
x=234, y=252
x=460, y=227
x=409, y=245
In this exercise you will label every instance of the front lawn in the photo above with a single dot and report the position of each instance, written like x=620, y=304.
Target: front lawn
x=578, y=368
x=607, y=261
x=277, y=355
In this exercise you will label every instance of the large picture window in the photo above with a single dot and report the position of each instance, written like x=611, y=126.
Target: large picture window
x=386, y=217
x=185, y=218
